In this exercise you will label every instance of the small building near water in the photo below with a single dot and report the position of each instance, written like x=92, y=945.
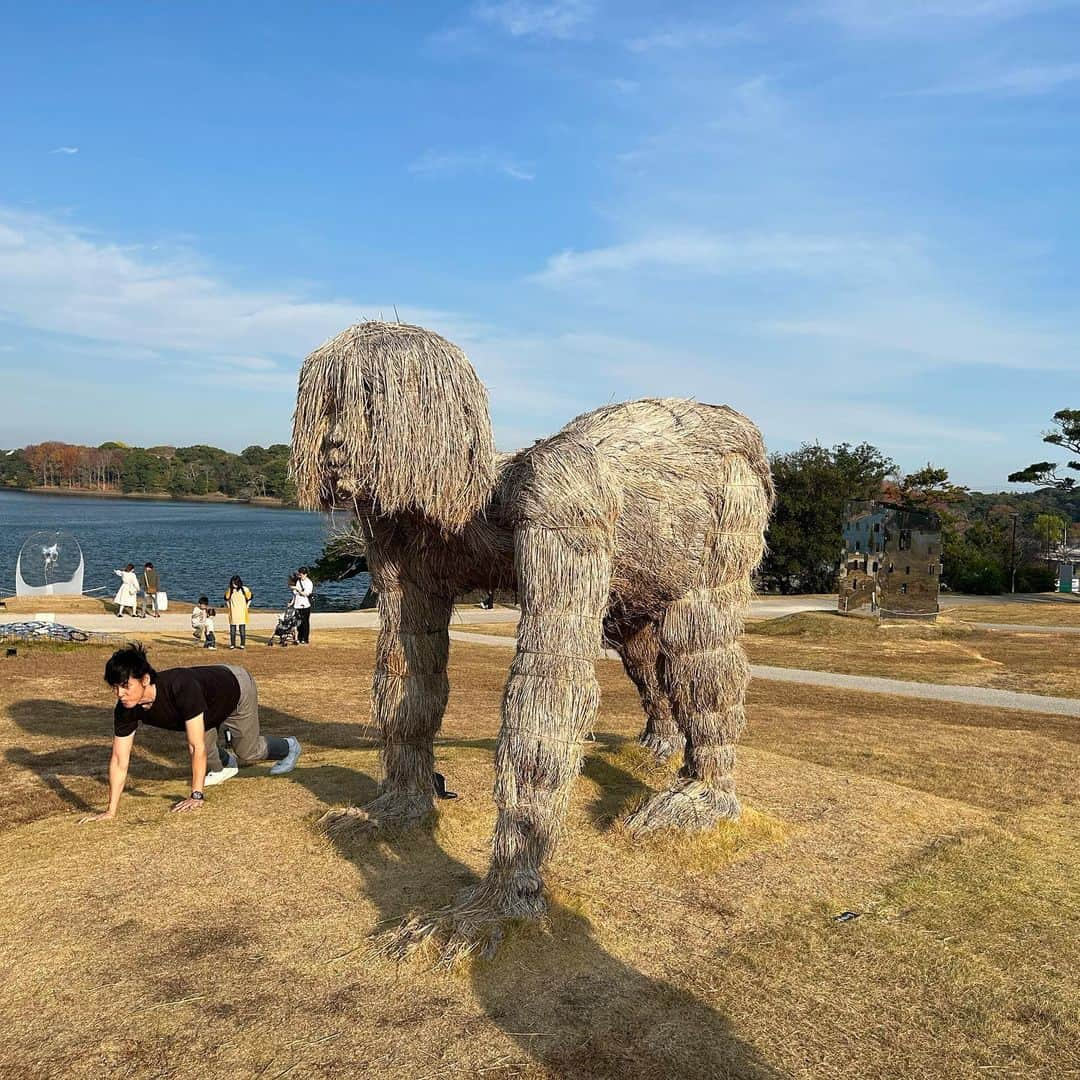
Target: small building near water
x=891, y=561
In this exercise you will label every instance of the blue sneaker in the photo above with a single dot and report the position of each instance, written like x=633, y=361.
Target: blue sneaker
x=288, y=762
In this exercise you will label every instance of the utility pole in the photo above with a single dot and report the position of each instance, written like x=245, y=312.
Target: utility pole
x=1012, y=552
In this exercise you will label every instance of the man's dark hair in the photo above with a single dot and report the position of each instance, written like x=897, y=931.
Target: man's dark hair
x=129, y=662
x=204, y=599
x=302, y=570
x=151, y=565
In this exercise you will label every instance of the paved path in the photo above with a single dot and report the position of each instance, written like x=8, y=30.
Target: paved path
x=764, y=607
x=871, y=684
x=958, y=695
x=178, y=618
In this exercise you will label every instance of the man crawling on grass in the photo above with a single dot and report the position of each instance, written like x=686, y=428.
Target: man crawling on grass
x=203, y=702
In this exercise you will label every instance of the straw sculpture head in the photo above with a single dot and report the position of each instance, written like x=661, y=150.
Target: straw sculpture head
x=393, y=419
x=638, y=524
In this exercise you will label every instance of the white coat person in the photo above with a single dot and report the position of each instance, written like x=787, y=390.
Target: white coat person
x=128, y=593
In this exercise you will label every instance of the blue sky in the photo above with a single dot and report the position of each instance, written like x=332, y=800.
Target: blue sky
x=850, y=219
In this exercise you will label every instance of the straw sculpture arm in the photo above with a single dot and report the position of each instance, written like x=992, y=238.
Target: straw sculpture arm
x=563, y=555
x=409, y=689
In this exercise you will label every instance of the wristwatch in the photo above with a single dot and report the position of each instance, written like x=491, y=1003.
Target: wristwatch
x=198, y=796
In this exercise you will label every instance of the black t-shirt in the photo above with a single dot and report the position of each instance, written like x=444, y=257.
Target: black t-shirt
x=183, y=693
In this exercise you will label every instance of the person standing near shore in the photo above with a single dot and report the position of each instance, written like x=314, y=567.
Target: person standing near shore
x=302, y=593
x=151, y=586
x=238, y=597
x=200, y=701
x=128, y=593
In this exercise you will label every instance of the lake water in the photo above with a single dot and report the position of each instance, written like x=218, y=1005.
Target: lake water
x=196, y=547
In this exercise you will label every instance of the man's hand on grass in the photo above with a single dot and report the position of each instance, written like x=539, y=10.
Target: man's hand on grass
x=185, y=805
x=105, y=815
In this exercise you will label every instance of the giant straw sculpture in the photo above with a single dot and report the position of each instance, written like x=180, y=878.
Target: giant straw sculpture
x=639, y=523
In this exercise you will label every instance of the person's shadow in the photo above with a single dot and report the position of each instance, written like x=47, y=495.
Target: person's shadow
x=569, y=1005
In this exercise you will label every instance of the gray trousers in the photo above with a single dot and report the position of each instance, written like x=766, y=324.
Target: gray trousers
x=241, y=727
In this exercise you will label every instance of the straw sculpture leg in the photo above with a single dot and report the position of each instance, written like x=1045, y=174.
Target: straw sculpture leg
x=704, y=668
x=549, y=707
x=639, y=650
x=409, y=695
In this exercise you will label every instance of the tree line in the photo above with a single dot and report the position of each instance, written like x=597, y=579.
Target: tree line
x=257, y=472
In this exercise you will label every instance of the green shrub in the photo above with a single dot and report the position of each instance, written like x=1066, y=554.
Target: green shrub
x=977, y=574
x=1035, y=577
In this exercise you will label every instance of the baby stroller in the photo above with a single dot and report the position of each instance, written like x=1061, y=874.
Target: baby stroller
x=285, y=631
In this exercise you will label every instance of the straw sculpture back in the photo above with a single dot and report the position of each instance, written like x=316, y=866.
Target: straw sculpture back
x=639, y=524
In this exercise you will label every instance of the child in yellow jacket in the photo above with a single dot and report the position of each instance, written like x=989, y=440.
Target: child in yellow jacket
x=238, y=597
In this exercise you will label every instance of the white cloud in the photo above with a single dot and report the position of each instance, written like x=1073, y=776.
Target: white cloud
x=450, y=163
x=263, y=381
x=688, y=36
x=700, y=252
x=99, y=307
x=1012, y=82
x=903, y=16
x=65, y=150
x=526, y=18
x=795, y=402
x=932, y=331
x=57, y=278
x=249, y=363
x=516, y=172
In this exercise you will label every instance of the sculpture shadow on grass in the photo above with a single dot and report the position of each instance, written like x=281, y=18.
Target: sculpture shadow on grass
x=568, y=1003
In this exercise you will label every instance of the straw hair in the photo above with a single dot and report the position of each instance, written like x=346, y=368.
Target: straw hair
x=391, y=418
x=639, y=524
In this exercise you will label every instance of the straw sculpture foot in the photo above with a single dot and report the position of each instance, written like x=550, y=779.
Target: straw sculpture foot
x=690, y=806
x=662, y=747
x=390, y=812
x=474, y=925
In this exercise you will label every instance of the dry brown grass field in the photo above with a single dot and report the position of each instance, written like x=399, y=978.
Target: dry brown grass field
x=500, y=629
x=237, y=942
x=1047, y=609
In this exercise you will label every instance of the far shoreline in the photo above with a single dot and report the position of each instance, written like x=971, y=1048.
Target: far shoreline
x=262, y=502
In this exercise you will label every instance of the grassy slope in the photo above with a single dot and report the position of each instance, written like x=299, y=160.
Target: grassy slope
x=236, y=942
